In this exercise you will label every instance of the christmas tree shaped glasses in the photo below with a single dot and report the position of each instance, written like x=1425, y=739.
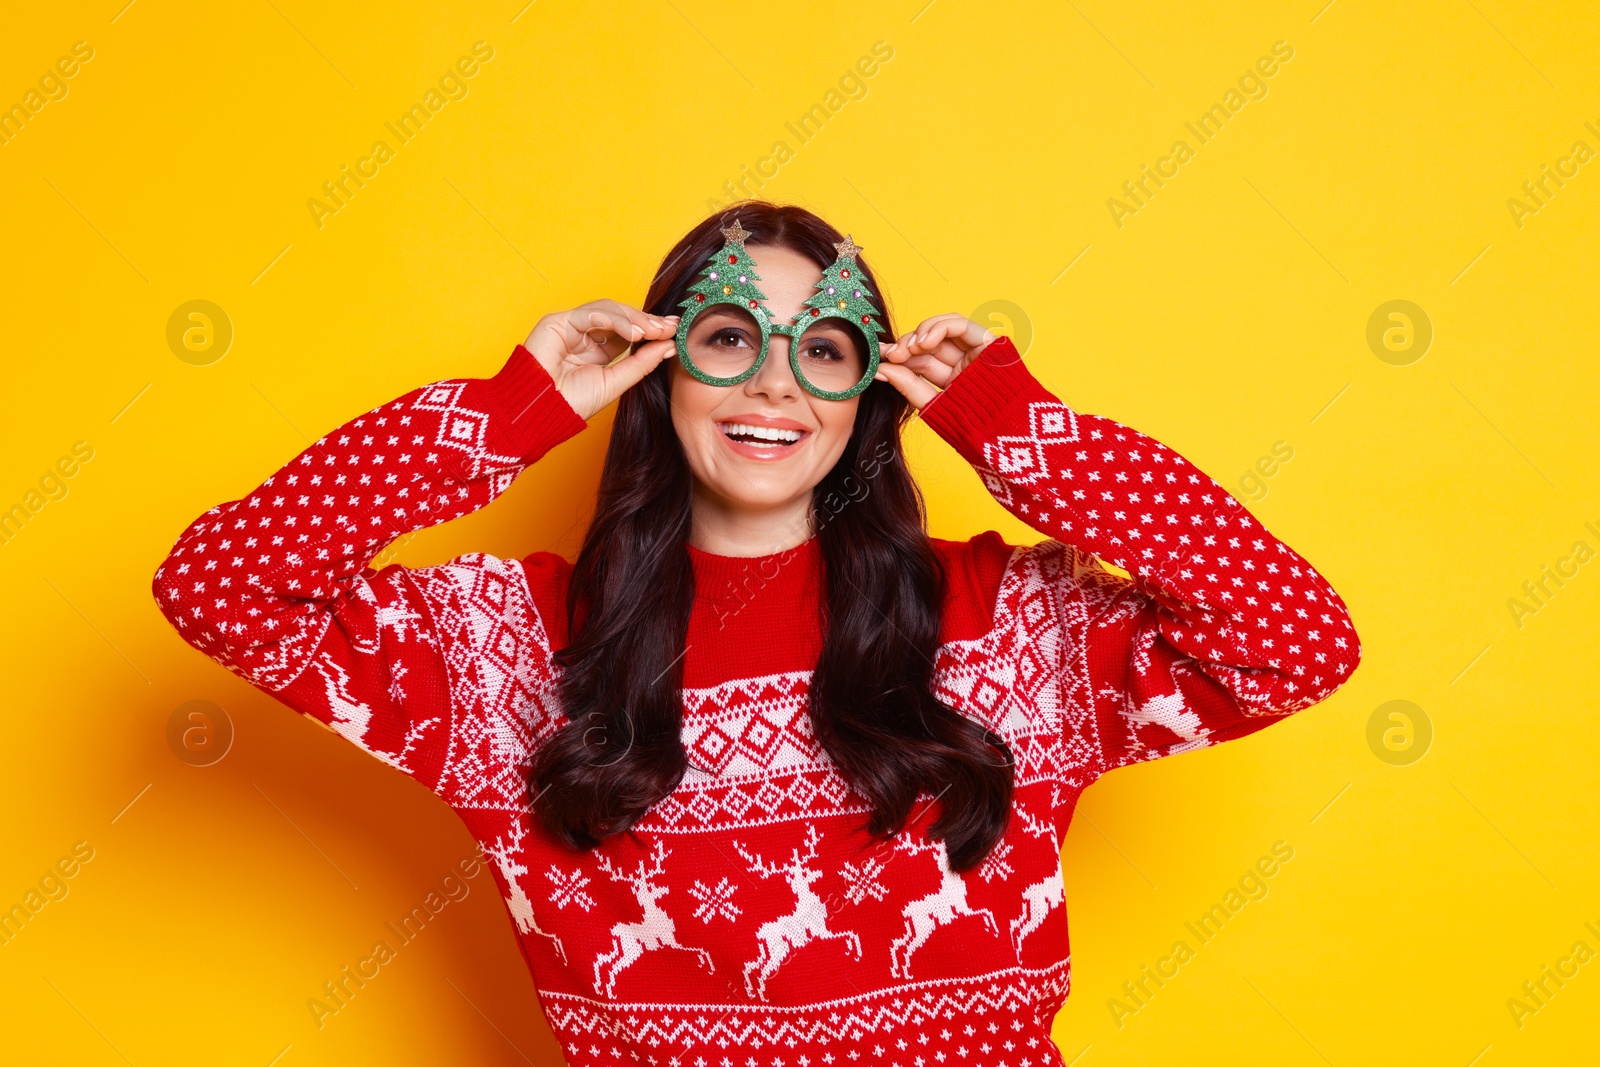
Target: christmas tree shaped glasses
x=725, y=330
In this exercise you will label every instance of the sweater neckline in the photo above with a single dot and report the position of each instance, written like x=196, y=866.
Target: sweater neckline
x=788, y=571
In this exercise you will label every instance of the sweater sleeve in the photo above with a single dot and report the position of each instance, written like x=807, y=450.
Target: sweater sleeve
x=276, y=586
x=1221, y=628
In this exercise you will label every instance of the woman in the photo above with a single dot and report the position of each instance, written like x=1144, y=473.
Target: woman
x=768, y=775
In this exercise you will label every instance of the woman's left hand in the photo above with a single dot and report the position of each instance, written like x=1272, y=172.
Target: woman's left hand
x=923, y=363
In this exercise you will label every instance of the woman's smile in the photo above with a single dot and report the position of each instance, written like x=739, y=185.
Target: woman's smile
x=762, y=437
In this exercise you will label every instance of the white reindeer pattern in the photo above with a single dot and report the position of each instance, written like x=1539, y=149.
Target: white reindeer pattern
x=505, y=855
x=655, y=930
x=940, y=908
x=807, y=923
x=1039, y=898
x=350, y=716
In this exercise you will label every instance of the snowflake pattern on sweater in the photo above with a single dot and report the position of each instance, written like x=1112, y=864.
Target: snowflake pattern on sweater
x=747, y=920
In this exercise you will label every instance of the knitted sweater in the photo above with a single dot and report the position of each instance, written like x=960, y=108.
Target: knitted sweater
x=748, y=920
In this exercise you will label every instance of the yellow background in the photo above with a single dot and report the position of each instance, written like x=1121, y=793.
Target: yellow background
x=1228, y=314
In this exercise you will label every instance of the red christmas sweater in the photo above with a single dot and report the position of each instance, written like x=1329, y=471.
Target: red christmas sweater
x=748, y=921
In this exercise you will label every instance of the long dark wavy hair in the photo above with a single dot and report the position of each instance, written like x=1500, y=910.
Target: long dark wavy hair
x=871, y=703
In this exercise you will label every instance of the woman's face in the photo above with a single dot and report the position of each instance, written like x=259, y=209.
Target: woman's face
x=733, y=468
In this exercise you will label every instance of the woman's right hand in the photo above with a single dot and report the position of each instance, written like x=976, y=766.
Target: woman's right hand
x=577, y=348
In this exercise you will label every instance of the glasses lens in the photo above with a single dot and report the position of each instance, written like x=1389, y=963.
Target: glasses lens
x=832, y=354
x=724, y=340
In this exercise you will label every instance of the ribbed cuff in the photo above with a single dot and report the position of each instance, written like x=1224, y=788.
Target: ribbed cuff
x=965, y=413
x=533, y=415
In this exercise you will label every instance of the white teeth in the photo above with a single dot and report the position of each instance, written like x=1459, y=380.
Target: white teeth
x=764, y=433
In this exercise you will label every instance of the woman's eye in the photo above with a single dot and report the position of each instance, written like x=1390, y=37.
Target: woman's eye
x=822, y=350
x=728, y=338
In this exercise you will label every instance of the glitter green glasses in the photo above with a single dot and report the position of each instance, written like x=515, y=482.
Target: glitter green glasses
x=725, y=329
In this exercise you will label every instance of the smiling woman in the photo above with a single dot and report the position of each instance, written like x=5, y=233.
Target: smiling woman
x=767, y=765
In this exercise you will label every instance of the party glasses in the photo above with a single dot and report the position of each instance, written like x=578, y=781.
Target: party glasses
x=725, y=330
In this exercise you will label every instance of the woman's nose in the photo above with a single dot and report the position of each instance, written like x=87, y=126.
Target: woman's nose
x=775, y=379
